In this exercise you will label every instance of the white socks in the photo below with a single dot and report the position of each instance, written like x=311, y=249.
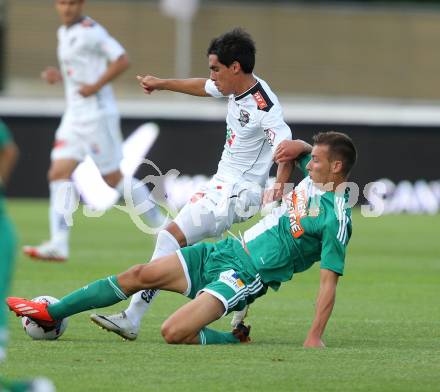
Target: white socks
x=141, y=301
x=64, y=200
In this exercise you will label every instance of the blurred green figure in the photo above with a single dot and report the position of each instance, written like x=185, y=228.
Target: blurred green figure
x=8, y=157
x=8, y=242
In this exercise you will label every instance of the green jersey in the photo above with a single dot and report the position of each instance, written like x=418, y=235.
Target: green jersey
x=312, y=225
x=5, y=138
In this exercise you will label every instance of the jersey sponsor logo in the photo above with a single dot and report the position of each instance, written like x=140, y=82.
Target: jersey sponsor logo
x=261, y=102
x=270, y=136
x=244, y=117
x=260, y=96
x=230, y=136
x=297, y=210
x=231, y=279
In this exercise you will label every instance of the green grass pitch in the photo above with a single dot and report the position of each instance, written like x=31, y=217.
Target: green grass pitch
x=384, y=334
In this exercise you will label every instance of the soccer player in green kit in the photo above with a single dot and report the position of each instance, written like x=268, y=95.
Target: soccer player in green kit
x=313, y=224
x=8, y=158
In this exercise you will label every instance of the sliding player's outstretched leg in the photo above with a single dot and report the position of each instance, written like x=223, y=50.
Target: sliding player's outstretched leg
x=166, y=273
x=127, y=323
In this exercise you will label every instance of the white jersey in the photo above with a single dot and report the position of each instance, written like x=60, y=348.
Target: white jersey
x=255, y=127
x=84, y=50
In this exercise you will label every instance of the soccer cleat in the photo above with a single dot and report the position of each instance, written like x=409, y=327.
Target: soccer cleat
x=46, y=251
x=37, y=311
x=239, y=316
x=41, y=384
x=241, y=332
x=117, y=323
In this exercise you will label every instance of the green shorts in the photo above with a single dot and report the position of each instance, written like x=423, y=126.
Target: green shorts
x=223, y=270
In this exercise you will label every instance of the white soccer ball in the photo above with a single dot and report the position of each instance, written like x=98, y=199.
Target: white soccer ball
x=38, y=332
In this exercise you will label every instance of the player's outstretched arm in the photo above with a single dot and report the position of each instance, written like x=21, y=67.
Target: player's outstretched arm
x=114, y=69
x=324, y=307
x=290, y=150
x=193, y=86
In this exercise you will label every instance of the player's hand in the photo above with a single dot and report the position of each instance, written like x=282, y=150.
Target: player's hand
x=288, y=150
x=148, y=83
x=88, y=89
x=51, y=75
x=313, y=342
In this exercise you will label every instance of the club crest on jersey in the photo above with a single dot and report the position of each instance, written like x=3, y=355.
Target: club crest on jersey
x=230, y=136
x=270, y=136
x=261, y=102
x=244, y=117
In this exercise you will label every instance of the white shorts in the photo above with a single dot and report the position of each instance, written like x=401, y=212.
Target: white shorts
x=216, y=207
x=100, y=138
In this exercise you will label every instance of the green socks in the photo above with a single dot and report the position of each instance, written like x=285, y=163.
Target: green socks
x=211, y=336
x=106, y=292
x=99, y=294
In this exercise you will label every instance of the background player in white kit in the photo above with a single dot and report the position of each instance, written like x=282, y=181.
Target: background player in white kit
x=89, y=58
x=255, y=127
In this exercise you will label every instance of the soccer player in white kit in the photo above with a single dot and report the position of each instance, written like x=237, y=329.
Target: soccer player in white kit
x=89, y=58
x=255, y=127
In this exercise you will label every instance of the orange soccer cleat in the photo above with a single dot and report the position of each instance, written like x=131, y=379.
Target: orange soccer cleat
x=35, y=310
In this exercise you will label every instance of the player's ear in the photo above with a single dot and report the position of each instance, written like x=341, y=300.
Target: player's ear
x=236, y=67
x=337, y=167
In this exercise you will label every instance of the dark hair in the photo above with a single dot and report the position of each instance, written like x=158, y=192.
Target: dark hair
x=236, y=45
x=340, y=147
